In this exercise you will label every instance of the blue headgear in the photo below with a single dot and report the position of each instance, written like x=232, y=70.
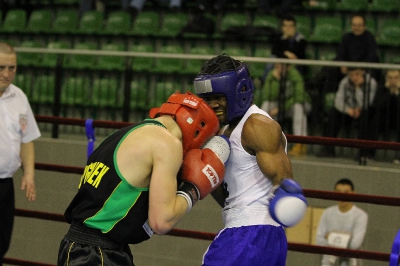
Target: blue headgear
x=230, y=84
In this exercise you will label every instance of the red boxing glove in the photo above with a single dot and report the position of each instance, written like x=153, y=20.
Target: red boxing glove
x=204, y=169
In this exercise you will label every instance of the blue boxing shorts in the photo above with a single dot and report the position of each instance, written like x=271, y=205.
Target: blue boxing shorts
x=248, y=246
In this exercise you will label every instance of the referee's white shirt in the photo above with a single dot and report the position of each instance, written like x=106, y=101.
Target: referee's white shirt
x=17, y=125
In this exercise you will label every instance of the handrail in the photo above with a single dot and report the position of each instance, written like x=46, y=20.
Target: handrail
x=205, y=57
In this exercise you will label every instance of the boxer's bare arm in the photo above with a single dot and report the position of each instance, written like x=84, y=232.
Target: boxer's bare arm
x=154, y=162
x=262, y=137
x=166, y=209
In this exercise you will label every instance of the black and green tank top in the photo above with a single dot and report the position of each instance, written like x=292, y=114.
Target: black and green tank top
x=106, y=201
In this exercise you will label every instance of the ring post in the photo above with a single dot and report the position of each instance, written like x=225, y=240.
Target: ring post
x=394, y=256
x=90, y=135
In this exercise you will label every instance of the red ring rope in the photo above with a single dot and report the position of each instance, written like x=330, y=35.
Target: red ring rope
x=382, y=200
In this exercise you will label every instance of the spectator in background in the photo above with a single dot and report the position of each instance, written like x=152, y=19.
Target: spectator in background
x=359, y=45
x=353, y=100
x=283, y=6
x=342, y=225
x=18, y=130
x=386, y=118
x=284, y=96
x=134, y=7
x=290, y=44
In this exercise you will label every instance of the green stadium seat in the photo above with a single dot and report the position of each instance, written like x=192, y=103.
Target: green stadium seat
x=232, y=20
x=258, y=100
x=384, y=6
x=142, y=63
x=257, y=69
x=389, y=33
x=327, y=55
x=139, y=94
x=118, y=22
x=15, y=21
x=24, y=82
x=394, y=59
x=327, y=30
x=266, y=22
x=146, y=24
x=164, y=89
x=172, y=24
x=43, y=89
x=40, y=21
x=303, y=25
x=29, y=59
x=50, y=59
x=82, y=61
x=234, y=51
x=193, y=66
x=74, y=91
x=66, y=21
x=91, y=22
x=352, y=5
x=108, y=62
x=105, y=93
x=169, y=65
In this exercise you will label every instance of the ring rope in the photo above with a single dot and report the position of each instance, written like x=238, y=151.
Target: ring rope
x=310, y=193
x=353, y=143
x=306, y=248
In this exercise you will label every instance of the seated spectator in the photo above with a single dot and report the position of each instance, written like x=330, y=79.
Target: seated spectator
x=342, y=226
x=290, y=44
x=386, y=118
x=351, y=105
x=359, y=45
x=284, y=97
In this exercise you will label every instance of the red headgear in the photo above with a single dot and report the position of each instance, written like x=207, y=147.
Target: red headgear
x=195, y=118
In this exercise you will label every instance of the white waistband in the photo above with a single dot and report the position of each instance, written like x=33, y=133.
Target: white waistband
x=247, y=215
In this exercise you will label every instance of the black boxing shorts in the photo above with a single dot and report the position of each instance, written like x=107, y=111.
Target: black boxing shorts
x=84, y=244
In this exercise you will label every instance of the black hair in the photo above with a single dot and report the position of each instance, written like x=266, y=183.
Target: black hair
x=289, y=18
x=345, y=181
x=219, y=64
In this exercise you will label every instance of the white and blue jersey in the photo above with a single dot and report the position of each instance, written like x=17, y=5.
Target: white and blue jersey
x=250, y=236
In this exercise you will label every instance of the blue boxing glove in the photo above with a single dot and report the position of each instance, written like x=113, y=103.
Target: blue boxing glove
x=287, y=204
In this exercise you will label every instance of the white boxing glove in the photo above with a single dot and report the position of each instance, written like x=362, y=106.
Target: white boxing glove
x=287, y=204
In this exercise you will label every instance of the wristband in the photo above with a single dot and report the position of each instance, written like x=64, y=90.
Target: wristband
x=189, y=192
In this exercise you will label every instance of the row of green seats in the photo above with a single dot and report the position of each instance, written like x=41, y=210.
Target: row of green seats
x=110, y=62
x=80, y=91
x=75, y=91
x=66, y=21
x=326, y=29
